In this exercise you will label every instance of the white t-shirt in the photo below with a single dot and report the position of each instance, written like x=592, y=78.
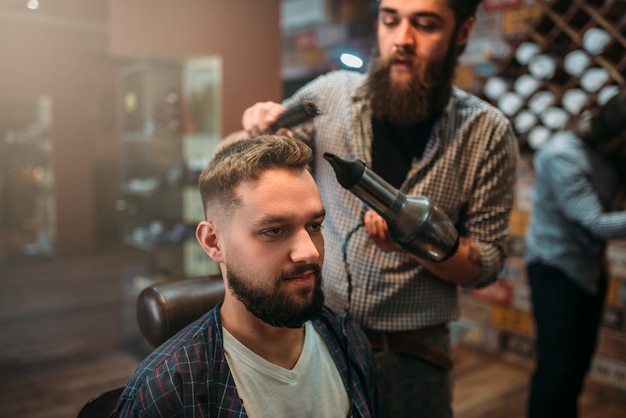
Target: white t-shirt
x=313, y=388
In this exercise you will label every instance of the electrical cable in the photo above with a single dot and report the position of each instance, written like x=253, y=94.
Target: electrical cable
x=346, y=311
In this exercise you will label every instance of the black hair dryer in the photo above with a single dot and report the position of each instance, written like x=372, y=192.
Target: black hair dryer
x=415, y=222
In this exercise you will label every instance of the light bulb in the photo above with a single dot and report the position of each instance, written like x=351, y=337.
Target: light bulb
x=32, y=4
x=351, y=60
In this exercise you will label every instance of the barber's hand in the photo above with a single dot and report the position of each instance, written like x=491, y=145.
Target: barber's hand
x=378, y=232
x=258, y=118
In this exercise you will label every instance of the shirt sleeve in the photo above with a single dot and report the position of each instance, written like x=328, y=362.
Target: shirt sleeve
x=489, y=210
x=569, y=178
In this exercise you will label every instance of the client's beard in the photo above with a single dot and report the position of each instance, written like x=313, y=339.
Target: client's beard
x=415, y=101
x=272, y=305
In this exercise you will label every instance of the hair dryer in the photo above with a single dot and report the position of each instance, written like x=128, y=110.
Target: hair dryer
x=415, y=222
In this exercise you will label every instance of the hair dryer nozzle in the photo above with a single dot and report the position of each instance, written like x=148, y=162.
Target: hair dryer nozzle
x=348, y=172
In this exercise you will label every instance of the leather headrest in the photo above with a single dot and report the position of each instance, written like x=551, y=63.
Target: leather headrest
x=164, y=309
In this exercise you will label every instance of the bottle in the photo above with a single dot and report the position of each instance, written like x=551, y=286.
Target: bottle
x=574, y=100
x=605, y=94
x=542, y=67
x=495, y=87
x=540, y=101
x=576, y=62
x=538, y=136
x=510, y=103
x=595, y=40
x=594, y=78
x=526, y=85
x=415, y=222
x=524, y=121
x=525, y=51
x=554, y=118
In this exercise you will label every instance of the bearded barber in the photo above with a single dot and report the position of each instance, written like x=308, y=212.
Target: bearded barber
x=408, y=123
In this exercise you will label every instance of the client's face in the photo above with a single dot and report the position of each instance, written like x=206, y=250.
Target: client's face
x=274, y=248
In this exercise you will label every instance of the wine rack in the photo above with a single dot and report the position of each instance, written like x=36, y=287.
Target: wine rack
x=593, y=34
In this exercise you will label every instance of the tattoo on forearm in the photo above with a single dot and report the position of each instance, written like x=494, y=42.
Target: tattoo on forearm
x=473, y=254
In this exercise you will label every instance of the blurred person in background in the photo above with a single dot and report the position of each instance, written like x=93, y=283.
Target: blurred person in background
x=408, y=123
x=579, y=179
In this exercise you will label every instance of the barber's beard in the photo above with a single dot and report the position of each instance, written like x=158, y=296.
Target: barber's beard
x=273, y=305
x=413, y=101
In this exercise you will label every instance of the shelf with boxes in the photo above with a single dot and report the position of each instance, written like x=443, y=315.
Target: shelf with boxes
x=27, y=209
x=169, y=129
x=570, y=58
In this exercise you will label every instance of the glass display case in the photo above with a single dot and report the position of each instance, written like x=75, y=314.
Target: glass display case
x=169, y=129
x=27, y=215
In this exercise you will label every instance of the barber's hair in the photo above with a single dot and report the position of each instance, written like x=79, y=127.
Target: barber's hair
x=464, y=9
x=246, y=160
x=605, y=123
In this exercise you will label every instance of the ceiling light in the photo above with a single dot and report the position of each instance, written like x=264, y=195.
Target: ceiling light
x=351, y=60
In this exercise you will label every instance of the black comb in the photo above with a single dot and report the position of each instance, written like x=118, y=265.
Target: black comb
x=296, y=115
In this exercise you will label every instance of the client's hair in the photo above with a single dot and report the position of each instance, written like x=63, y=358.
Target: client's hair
x=245, y=160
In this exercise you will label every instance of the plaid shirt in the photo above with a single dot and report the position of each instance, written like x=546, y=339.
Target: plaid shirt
x=570, y=224
x=468, y=169
x=188, y=375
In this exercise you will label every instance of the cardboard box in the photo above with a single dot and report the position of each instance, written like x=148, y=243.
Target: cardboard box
x=464, y=77
x=615, y=292
x=612, y=345
x=516, y=246
x=518, y=20
x=522, y=298
x=512, y=320
x=609, y=372
x=481, y=336
x=614, y=317
x=475, y=309
x=314, y=57
x=519, y=222
x=514, y=270
x=616, y=258
x=519, y=345
x=499, y=293
x=354, y=10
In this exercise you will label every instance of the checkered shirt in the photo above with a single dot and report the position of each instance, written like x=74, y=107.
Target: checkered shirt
x=188, y=375
x=570, y=223
x=468, y=169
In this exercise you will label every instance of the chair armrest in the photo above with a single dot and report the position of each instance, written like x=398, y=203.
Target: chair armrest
x=164, y=309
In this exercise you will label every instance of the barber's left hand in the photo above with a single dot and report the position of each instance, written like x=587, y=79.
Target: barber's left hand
x=378, y=231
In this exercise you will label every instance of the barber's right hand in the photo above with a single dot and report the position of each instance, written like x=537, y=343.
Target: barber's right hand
x=378, y=231
x=258, y=118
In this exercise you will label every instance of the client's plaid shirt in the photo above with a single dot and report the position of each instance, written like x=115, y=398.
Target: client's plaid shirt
x=468, y=168
x=188, y=375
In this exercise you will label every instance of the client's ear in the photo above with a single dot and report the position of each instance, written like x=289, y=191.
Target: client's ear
x=206, y=234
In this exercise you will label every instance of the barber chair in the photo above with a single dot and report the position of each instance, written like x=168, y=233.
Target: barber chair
x=162, y=311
